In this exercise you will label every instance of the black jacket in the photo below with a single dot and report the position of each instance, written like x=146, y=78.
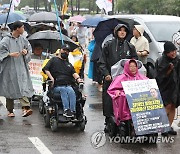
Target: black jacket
x=169, y=85
x=113, y=51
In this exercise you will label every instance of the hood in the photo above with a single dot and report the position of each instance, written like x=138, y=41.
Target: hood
x=118, y=27
x=126, y=68
x=140, y=29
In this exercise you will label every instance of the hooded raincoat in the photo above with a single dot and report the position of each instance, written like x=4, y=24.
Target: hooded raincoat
x=120, y=105
x=15, y=79
x=141, y=43
x=113, y=51
x=169, y=85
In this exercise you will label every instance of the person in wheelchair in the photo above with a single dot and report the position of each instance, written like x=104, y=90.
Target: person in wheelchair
x=116, y=92
x=63, y=75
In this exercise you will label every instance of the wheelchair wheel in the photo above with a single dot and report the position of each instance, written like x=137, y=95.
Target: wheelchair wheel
x=53, y=124
x=41, y=106
x=123, y=129
x=46, y=117
x=112, y=127
x=82, y=124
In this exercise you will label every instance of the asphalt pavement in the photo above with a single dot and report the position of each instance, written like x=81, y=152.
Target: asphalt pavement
x=28, y=135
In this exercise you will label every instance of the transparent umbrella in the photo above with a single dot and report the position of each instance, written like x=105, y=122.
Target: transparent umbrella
x=46, y=17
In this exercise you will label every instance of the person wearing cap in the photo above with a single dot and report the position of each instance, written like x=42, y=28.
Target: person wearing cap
x=63, y=75
x=15, y=54
x=113, y=51
x=141, y=44
x=168, y=77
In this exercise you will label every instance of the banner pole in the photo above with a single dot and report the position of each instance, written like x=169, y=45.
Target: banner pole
x=58, y=22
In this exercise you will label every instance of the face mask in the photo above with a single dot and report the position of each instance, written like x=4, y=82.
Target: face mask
x=64, y=55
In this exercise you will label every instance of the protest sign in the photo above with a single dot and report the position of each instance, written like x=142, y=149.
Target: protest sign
x=146, y=106
x=35, y=66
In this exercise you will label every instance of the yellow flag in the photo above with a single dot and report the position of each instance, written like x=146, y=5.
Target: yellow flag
x=65, y=7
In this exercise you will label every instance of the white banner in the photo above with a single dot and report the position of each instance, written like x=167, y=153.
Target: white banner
x=35, y=66
x=105, y=4
x=15, y=3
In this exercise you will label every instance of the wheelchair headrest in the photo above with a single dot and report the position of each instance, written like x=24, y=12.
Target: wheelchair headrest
x=139, y=63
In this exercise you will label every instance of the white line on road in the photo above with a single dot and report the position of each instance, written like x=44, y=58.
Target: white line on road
x=40, y=145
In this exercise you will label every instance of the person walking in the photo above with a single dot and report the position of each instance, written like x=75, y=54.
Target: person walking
x=141, y=44
x=113, y=51
x=81, y=35
x=15, y=51
x=168, y=77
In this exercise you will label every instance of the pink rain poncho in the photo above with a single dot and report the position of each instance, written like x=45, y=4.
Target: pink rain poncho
x=120, y=104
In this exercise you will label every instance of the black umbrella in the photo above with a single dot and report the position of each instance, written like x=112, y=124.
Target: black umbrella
x=50, y=40
x=65, y=16
x=105, y=28
x=46, y=17
x=42, y=27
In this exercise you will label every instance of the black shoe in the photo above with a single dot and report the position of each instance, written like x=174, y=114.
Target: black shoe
x=67, y=113
x=172, y=132
x=74, y=114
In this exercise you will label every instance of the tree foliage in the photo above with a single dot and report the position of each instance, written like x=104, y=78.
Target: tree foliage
x=149, y=6
x=171, y=7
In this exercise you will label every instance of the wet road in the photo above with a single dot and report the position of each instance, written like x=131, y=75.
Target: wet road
x=28, y=135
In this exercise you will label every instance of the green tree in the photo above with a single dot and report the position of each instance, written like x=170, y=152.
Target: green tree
x=171, y=7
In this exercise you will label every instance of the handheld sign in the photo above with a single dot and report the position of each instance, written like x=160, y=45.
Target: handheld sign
x=35, y=66
x=146, y=106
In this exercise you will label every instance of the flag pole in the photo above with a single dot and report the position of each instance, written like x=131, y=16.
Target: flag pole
x=8, y=13
x=58, y=21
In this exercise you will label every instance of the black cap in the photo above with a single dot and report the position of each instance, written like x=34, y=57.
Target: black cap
x=169, y=46
x=66, y=47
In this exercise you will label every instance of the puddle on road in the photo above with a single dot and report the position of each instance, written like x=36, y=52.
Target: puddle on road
x=27, y=124
x=95, y=106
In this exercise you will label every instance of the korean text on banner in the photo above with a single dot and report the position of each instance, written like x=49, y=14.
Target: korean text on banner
x=36, y=77
x=146, y=107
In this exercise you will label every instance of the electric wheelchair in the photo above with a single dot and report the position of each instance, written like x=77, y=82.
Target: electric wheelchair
x=52, y=108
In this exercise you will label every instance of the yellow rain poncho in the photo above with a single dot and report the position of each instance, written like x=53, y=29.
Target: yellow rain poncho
x=77, y=59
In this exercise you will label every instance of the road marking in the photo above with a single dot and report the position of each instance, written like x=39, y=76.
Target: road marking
x=40, y=145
